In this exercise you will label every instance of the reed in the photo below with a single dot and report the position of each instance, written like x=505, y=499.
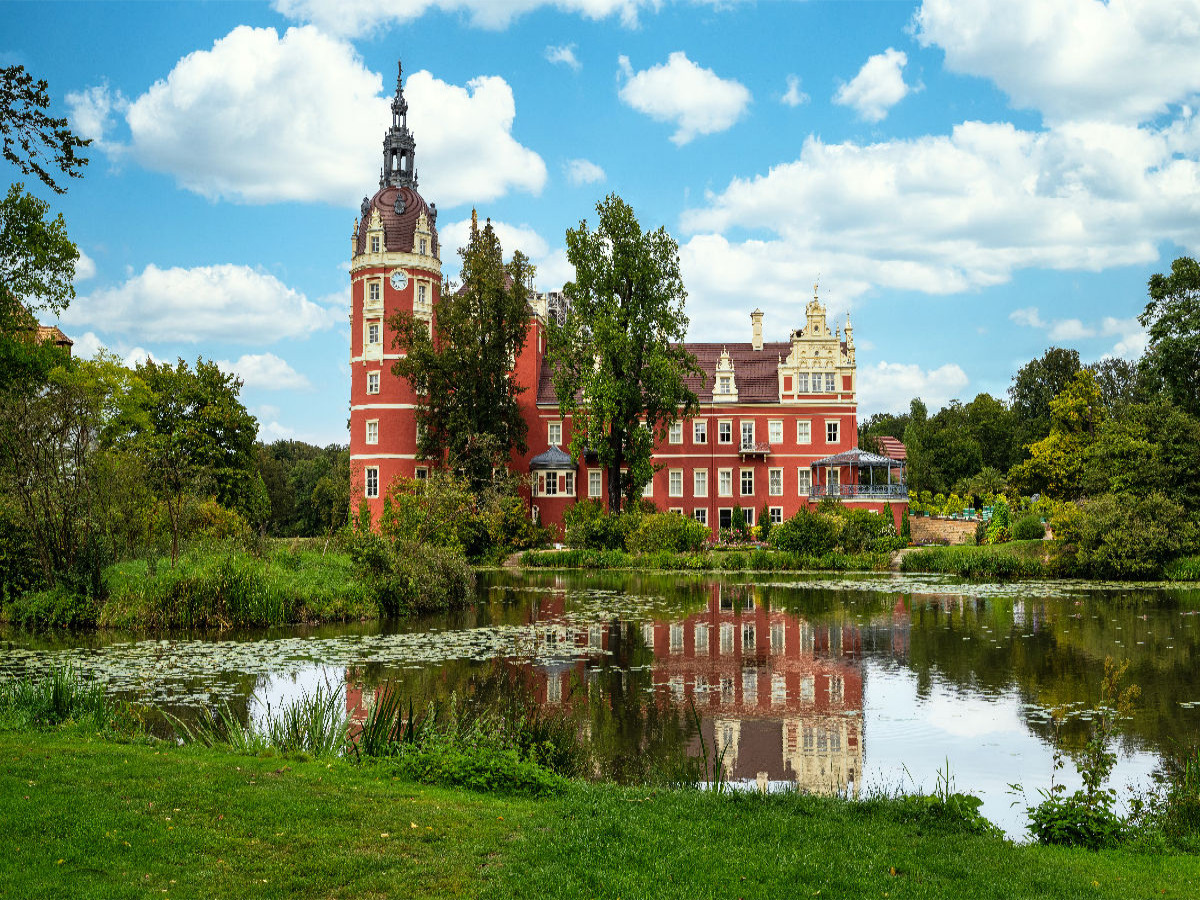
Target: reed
x=61, y=695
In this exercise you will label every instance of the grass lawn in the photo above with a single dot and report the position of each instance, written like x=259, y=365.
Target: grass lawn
x=82, y=816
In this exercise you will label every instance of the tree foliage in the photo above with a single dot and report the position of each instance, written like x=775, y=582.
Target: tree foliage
x=34, y=141
x=1172, y=318
x=463, y=375
x=1037, y=383
x=617, y=358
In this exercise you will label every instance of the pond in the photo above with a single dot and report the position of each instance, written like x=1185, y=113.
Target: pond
x=850, y=684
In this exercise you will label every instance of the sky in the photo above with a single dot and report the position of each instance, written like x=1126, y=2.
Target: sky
x=971, y=182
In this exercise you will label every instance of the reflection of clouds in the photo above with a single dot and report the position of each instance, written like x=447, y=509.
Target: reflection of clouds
x=973, y=716
x=276, y=691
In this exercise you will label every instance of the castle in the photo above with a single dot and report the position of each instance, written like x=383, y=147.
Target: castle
x=776, y=428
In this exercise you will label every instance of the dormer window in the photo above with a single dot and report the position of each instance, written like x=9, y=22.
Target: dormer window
x=423, y=246
x=374, y=243
x=725, y=385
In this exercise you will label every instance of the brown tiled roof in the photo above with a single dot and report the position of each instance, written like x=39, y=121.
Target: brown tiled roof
x=399, y=231
x=892, y=448
x=53, y=333
x=755, y=372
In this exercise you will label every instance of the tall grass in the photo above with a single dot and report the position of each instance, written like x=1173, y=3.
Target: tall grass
x=61, y=695
x=975, y=562
x=759, y=559
x=224, y=590
x=1186, y=568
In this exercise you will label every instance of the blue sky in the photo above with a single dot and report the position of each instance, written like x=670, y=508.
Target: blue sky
x=972, y=182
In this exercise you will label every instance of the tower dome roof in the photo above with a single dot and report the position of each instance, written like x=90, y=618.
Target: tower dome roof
x=399, y=209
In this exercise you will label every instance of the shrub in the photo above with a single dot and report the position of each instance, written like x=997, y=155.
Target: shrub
x=806, y=533
x=421, y=578
x=588, y=526
x=19, y=565
x=56, y=607
x=1029, y=528
x=667, y=531
x=1122, y=536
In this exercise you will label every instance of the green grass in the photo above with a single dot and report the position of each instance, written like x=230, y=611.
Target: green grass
x=87, y=817
x=1015, y=559
x=760, y=560
x=1186, y=568
x=215, y=589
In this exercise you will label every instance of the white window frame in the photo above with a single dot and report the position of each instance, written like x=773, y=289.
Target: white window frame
x=830, y=383
x=569, y=484
x=700, y=514
x=699, y=482
x=748, y=517
x=833, y=477
x=373, y=382
x=421, y=473
x=374, y=336
x=595, y=484
x=374, y=291
x=421, y=295
x=743, y=475
x=775, y=431
x=372, y=435
x=803, y=431
x=724, y=482
x=774, y=482
x=776, y=514
x=803, y=481
x=375, y=243
x=833, y=431
x=371, y=484
x=725, y=431
x=725, y=512
x=678, y=510
x=550, y=485
x=424, y=245
x=700, y=431
x=675, y=483
x=675, y=433
x=554, y=434
x=648, y=490
x=746, y=426
x=802, y=378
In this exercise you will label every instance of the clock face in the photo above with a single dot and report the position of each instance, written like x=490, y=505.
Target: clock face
x=399, y=279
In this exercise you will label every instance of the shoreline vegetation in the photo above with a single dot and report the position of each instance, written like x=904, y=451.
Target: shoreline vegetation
x=457, y=801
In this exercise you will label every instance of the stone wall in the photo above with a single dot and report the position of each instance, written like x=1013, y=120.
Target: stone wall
x=937, y=530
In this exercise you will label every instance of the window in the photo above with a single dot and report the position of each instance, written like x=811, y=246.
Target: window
x=837, y=688
x=373, y=291
x=535, y=514
x=551, y=485
x=778, y=690
x=748, y=516
x=700, y=431
x=675, y=638
x=748, y=433
x=804, y=481
x=701, y=638
x=802, y=383
x=421, y=294
x=373, y=431
x=724, y=384
x=830, y=382
x=675, y=483
x=725, y=482
x=776, y=513
x=748, y=637
x=373, y=333
x=675, y=509
x=834, y=477
x=648, y=490
x=423, y=246
x=775, y=432
x=554, y=433
x=422, y=473
x=569, y=484
x=778, y=636
x=804, y=432
x=374, y=243
x=700, y=482
x=724, y=432
x=372, y=382
x=747, y=486
x=775, y=482
x=675, y=433
x=725, y=517
x=831, y=432
x=700, y=514
x=593, y=484
x=372, y=474
x=727, y=637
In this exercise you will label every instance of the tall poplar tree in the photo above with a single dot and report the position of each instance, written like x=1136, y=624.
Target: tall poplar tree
x=617, y=357
x=463, y=374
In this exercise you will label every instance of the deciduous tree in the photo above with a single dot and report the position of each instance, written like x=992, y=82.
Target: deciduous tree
x=1172, y=317
x=618, y=362
x=34, y=141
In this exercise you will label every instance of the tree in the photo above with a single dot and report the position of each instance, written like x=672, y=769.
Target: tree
x=1172, y=318
x=917, y=464
x=1119, y=380
x=199, y=437
x=618, y=363
x=1037, y=383
x=463, y=375
x=34, y=140
x=1057, y=463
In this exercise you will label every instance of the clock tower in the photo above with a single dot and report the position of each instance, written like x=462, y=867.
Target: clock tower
x=395, y=267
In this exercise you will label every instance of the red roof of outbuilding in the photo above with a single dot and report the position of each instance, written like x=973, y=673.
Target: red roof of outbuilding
x=892, y=448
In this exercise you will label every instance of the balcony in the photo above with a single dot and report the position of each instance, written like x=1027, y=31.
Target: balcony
x=749, y=448
x=894, y=491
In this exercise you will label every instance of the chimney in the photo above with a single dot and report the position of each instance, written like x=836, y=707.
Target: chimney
x=756, y=328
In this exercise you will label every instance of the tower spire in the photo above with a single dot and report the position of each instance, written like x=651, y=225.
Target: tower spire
x=399, y=148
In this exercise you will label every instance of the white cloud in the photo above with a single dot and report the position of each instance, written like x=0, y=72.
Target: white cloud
x=86, y=345
x=1123, y=60
x=136, y=357
x=90, y=111
x=696, y=100
x=1131, y=336
x=553, y=270
x=85, y=267
x=273, y=431
x=889, y=387
x=359, y=17
x=262, y=118
x=944, y=214
x=878, y=86
x=793, y=96
x=223, y=302
x=564, y=55
x=265, y=371
x=583, y=171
